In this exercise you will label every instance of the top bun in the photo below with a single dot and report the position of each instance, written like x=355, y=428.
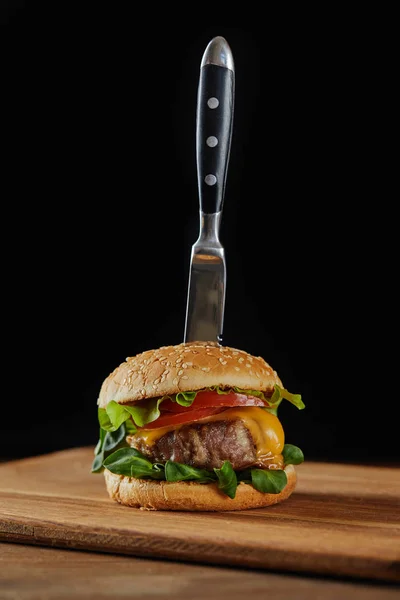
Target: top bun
x=184, y=368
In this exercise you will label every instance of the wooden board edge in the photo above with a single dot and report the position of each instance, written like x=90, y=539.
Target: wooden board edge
x=158, y=547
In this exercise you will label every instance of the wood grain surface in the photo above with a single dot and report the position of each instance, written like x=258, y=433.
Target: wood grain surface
x=342, y=520
x=28, y=573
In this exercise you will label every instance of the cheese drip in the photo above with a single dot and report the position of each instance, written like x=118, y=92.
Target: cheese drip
x=265, y=429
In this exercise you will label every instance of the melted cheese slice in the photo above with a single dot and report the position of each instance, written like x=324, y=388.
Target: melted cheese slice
x=265, y=428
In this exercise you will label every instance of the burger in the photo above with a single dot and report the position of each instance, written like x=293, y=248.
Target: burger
x=194, y=427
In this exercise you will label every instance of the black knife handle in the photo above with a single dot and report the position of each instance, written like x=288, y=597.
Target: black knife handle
x=214, y=119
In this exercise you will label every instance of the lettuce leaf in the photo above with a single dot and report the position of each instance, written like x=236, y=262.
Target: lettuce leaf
x=186, y=398
x=283, y=394
x=112, y=417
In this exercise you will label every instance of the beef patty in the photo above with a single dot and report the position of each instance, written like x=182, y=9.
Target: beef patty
x=202, y=445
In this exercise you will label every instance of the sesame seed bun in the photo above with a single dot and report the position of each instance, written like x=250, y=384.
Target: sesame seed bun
x=189, y=495
x=184, y=368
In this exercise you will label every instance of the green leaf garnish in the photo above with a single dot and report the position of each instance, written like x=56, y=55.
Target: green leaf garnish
x=268, y=481
x=113, y=438
x=179, y=472
x=108, y=442
x=97, y=464
x=227, y=480
x=292, y=455
x=100, y=443
x=131, y=463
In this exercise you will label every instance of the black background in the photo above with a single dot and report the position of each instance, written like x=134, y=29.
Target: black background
x=100, y=211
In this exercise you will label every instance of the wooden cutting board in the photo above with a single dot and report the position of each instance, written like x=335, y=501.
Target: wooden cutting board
x=342, y=520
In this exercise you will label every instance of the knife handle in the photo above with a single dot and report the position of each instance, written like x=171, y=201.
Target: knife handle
x=214, y=119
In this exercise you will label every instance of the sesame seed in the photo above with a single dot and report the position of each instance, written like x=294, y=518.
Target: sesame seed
x=185, y=377
x=237, y=369
x=180, y=372
x=241, y=359
x=175, y=381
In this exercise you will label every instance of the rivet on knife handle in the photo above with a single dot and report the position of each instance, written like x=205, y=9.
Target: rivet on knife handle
x=207, y=275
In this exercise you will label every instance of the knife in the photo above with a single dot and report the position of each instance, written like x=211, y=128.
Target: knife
x=214, y=119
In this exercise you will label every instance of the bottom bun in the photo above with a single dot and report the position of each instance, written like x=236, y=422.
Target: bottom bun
x=190, y=496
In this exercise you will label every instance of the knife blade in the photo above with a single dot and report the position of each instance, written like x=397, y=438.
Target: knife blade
x=214, y=122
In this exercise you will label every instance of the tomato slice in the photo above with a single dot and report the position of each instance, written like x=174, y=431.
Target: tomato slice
x=210, y=399
x=205, y=404
x=168, y=419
